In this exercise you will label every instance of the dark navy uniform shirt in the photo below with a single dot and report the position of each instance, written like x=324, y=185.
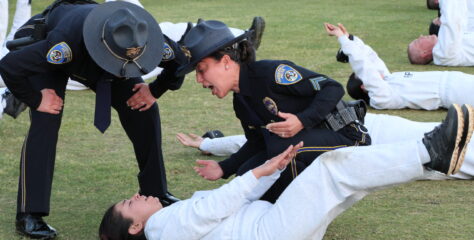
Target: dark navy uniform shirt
x=64, y=27
x=269, y=86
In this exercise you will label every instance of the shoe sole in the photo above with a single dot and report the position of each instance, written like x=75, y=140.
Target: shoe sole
x=258, y=24
x=453, y=162
x=468, y=128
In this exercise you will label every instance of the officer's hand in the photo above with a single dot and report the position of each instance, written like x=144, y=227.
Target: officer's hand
x=288, y=128
x=278, y=162
x=50, y=102
x=209, y=169
x=190, y=140
x=142, y=99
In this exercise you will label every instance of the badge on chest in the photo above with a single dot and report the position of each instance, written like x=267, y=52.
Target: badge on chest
x=270, y=105
x=286, y=75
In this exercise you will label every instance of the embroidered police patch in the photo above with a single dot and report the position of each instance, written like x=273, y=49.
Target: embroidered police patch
x=315, y=82
x=59, y=54
x=270, y=105
x=168, y=53
x=287, y=75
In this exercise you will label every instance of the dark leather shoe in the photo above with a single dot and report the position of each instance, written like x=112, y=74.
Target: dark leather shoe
x=34, y=227
x=446, y=143
x=257, y=28
x=13, y=106
x=168, y=199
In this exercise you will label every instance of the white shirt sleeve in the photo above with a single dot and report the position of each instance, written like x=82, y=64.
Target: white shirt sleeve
x=449, y=50
x=371, y=70
x=223, y=146
x=194, y=218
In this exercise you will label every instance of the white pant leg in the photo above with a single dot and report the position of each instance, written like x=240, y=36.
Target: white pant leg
x=334, y=182
x=75, y=86
x=22, y=14
x=136, y=2
x=2, y=101
x=388, y=129
x=3, y=20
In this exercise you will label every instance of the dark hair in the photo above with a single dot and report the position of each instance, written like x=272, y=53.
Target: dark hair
x=115, y=227
x=354, y=88
x=241, y=52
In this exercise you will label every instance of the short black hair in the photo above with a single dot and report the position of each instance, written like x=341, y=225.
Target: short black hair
x=354, y=88
x=115, y=227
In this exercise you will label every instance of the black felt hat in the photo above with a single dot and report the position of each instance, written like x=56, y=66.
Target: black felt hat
x=204, y=39
x=123, y=39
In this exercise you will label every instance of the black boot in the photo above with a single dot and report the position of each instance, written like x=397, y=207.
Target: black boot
x=168, y=199
x=447, y=142
x=14, y=106
x=257, y=28
x=33, y=226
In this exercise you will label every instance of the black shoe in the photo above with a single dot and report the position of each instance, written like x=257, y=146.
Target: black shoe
x=168, y=199
x=447, y=141
x=468, y=114
x=14, y=106
x=213, y=134
x=341, y=56
x=34, y=227
x=257, y=28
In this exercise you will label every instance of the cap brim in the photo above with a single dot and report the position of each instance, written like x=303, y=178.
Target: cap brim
x=92, y=31
x=183, y=70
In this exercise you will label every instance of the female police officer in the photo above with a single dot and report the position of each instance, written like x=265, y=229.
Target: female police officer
x=106, y=47
x=277, y=102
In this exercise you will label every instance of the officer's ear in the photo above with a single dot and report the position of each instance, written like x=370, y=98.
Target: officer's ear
x=226, y=60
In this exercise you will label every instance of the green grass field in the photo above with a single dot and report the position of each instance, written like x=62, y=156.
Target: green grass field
x=94, y=170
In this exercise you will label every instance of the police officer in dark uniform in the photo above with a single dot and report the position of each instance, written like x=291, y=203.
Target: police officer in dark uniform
x=278, y=103
x=107, y=47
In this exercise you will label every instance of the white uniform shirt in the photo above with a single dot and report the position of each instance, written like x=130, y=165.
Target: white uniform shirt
x=416, y=90
x=223, y=213
x=455, y=46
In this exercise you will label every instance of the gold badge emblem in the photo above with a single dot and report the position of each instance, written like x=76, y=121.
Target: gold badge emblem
x=186, y=52
x=133, y=52
x=270, y=105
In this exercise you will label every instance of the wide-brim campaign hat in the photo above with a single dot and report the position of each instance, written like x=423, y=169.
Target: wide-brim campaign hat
x=123, y=39
x=204, y=39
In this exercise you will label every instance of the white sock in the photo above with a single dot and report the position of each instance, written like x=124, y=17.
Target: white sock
x=423, y=153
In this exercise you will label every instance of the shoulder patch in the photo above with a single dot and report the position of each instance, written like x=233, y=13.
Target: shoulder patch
x=168, y=53
x=59, y=54
x=286, y=75
x=315, y=82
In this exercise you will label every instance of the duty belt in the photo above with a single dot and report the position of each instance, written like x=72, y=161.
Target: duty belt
x=345, y=114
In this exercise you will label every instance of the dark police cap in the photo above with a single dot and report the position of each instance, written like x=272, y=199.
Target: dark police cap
x=204, y=39
x=123, y=39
